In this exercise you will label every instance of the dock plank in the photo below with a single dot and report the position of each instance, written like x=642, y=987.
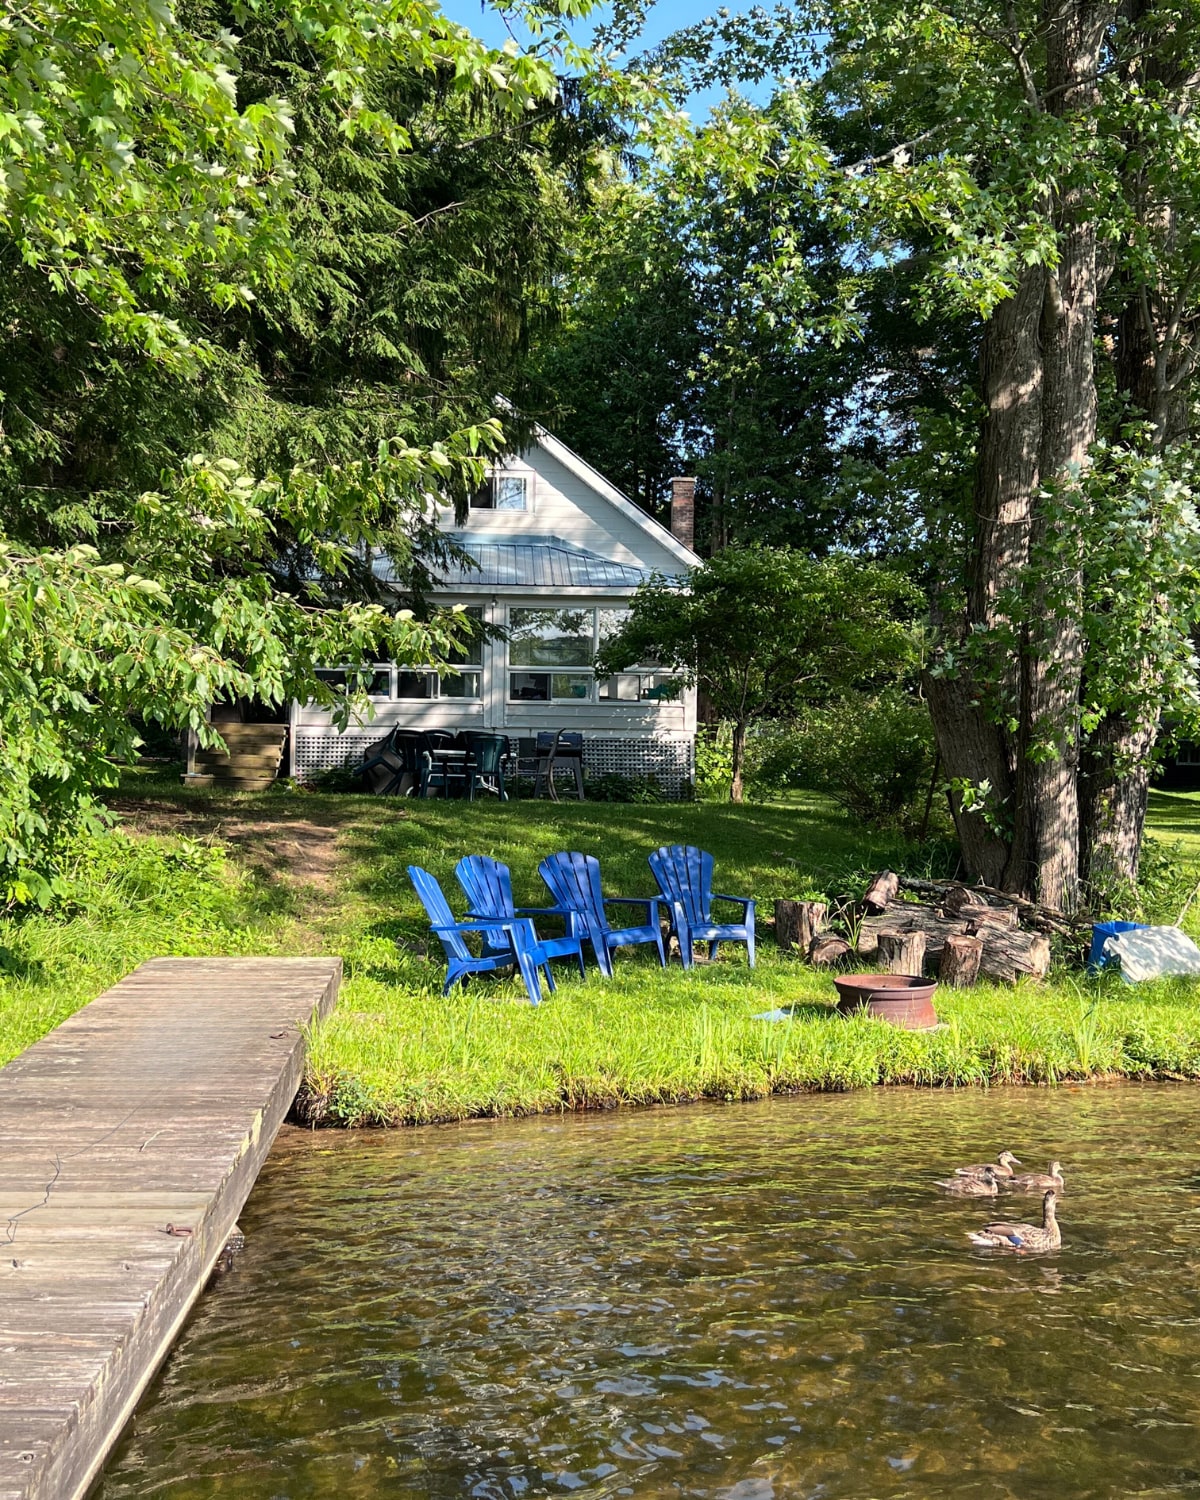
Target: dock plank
x=154, y=1105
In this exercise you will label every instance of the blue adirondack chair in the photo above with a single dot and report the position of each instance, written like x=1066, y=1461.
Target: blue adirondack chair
x=521, y=947
x=684, y=876
x=488, y=887
x=573, y=879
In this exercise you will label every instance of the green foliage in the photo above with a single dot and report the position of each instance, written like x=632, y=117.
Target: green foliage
x=714, y=762
x=872, y=753
x=132, y=168
x=765, y=631
x=614, y=786
x=258, y=300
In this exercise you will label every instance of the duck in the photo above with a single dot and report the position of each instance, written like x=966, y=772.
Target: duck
x=1036, y=1182
x=1002, y=1166
x=985, y=1185
x=1022, y=1238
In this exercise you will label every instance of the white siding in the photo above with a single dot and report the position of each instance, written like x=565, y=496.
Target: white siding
x=563, y=505
x=569, y=501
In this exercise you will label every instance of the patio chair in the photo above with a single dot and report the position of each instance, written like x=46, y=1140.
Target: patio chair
x=562, y=749
x=488, y=887
x=684, y=876
x=382, y=768
x=485, y=764
x=520, y=949
x=573, y=880
x=441, y=768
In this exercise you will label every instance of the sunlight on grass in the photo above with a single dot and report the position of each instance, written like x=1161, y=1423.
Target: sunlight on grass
x=395, y=1051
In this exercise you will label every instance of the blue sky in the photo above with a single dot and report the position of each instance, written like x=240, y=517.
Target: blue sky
x=663, y=18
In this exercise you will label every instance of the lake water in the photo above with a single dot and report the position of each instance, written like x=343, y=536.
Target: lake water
x=739, y=1302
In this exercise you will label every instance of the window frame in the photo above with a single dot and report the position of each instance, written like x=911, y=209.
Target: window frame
x=592, y=697
x=490, y=485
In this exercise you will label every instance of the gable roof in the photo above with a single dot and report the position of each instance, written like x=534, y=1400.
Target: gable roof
x=596, y=481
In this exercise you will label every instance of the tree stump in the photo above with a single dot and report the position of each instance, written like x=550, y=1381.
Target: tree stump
x=884, y=888
x=797, y=923
x=828, y=949
x=901, y=952
x=959, y=966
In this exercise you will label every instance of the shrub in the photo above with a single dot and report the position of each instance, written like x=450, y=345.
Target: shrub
x=714, y=763
x=613, y=786
x=873, y=754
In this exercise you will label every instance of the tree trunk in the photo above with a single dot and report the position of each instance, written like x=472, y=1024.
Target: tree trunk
x=1045, y=853
x=1038, y=385
x=1114, y=787
x=736, y=790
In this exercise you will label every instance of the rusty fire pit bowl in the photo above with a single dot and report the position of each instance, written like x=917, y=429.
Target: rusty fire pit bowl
x=905, y=1000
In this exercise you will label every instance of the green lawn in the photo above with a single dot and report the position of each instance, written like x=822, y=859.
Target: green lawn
x=396, y=1051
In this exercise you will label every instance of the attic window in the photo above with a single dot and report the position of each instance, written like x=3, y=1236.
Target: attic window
x=502, y=492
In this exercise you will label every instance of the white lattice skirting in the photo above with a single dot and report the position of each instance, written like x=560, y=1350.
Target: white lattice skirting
x=669, y=758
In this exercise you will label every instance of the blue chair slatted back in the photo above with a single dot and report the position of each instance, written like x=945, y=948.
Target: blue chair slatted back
x=487, y=885
x=573, y=879
x=684, y=876
x=438, y=910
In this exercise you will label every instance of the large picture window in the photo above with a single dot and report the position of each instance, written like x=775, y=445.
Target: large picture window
x=551, y=656
x=412, y=684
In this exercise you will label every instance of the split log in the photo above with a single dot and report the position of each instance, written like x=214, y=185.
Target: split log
x=828, y=949
x=797, y=923
x=901, y=952
x=884, y=888
x=909, y=916
x=961, y=955
x=998, y=916
x=956, y=897
x=1009, y=953
x=1045, y=918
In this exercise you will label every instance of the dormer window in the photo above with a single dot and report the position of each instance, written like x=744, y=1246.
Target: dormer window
x=502, y=492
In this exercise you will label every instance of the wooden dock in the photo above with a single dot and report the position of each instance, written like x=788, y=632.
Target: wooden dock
x=153, y=1106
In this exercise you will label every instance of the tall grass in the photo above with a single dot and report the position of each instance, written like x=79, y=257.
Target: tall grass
x=127, y=900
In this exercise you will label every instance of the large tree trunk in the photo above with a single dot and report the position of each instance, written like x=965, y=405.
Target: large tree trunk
x=1114, y=786
x=1039, y=390
x=968, y=714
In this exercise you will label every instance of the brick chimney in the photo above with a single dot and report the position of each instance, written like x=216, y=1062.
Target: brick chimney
x=683, y=511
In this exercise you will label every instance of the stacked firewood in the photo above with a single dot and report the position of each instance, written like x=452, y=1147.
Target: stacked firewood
x=959, y=934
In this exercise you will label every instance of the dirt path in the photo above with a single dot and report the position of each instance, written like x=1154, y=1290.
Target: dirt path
x=278, y=846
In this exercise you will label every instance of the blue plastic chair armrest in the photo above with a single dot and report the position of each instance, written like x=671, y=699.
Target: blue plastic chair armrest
x=651, y=903
x=745, y=902
x=541, y=911
x=482, y=926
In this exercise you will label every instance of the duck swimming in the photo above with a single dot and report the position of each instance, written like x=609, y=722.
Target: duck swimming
x=1036, y=1182
x=1002, y=1166
x=1022, y=1237
x=985, y=1185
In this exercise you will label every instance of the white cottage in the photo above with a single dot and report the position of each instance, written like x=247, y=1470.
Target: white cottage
x=559, y=553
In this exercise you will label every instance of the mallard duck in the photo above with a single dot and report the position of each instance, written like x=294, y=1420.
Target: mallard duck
x=985, y=1185
x=1022, y=1237
x=1036, y=1182
x=1002, y=1166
